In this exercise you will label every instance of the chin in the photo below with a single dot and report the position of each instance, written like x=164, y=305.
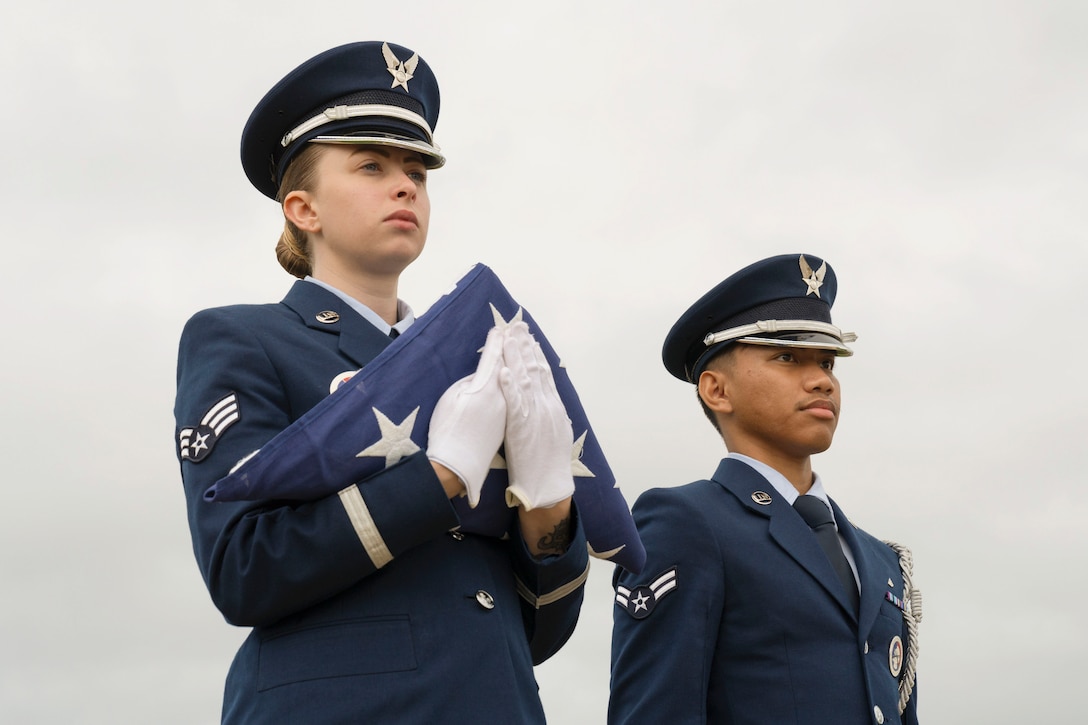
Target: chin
x=407, y=253
x=395, y=261
x=816, y=443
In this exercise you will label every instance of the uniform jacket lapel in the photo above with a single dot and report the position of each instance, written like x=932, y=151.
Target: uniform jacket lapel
x=360, y=341
x=785, y=527
x=871, y=572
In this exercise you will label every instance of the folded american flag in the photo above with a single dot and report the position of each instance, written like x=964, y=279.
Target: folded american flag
x=383, y=413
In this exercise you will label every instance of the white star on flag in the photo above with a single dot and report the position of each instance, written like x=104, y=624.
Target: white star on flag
x=500, y=322
x=396, y=441
x=577, y=468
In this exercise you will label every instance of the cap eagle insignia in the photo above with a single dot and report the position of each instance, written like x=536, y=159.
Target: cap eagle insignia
x=814, y=280
x=401, y=71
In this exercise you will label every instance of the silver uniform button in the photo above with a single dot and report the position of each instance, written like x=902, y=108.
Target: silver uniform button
x=457, y=536
x=879, y=714
x=485, y=600
x=866, y=647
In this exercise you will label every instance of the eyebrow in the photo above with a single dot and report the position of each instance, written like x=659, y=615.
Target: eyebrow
x=385, y=152
x=371, y=148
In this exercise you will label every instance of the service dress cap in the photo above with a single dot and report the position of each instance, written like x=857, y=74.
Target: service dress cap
x=784, y=301
x=368, y=92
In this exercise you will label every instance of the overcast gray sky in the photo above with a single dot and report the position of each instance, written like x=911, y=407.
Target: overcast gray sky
x=611, y=161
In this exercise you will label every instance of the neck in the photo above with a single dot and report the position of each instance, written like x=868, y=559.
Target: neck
x=378, y=292
x=798, y=471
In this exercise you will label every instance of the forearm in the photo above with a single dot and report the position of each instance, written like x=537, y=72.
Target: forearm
x=546, y=531
x=263, y=561
x=551, y=587
x=451, y=484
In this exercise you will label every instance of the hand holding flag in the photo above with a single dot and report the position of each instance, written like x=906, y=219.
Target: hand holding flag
x=468, y=421
x=539, y=442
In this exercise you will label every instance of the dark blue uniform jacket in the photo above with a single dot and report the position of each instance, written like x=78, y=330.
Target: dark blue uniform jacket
x=752, y=627
x=365, y=607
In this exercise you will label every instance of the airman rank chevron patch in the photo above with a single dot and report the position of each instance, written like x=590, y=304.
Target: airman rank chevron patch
x=197, y=441
x=640, y=601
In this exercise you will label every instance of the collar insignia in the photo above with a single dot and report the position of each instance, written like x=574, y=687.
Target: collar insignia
x=196, y=442
x=327, y=317
x=762, y=498
x=814, y=280
x=640, y=601
x=400, y=70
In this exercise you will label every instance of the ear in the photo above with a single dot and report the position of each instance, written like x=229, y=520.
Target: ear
x=298, y=207
x=714, y=390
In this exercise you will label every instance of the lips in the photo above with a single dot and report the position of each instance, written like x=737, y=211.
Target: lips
x=822, y=404
x=403, y=215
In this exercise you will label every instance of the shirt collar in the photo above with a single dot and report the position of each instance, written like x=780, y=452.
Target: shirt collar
x=405, y=316
x=784, y=488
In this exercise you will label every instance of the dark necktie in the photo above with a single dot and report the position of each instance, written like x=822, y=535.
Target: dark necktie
x=393, y=333
x=817, y=515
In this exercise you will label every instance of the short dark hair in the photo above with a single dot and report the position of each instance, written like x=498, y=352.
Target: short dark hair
x=723, y=355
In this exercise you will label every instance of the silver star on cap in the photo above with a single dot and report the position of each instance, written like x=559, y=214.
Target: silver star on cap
x=396, y=441
x=814, y=280
x=401, y=71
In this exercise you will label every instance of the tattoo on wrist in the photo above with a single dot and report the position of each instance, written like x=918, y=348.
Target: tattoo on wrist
x=557, y=541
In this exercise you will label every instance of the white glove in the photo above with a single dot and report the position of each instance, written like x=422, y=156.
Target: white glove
x=538, y=433
x=468, y=421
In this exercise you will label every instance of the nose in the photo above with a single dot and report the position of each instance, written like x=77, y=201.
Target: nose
x=405, y=187
x=819, y=378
